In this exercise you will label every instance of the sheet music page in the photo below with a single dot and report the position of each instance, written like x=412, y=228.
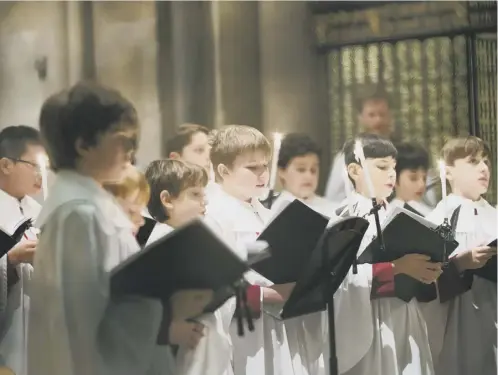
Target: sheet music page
x=393, y=212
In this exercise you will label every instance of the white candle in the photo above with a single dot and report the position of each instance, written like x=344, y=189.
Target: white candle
x=42, y=163
x=358, y=150
x=442, y=176
x=277, y=141
x=348, y=191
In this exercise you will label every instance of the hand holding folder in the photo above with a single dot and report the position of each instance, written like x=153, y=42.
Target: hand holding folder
x=408, y=233
x=8, y=241
x=190, y=258
x=489, y=270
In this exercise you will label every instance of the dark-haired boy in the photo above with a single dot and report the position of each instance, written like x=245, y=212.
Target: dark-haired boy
x=20, y=178
x=91, y=133
x=370, y=308
x=412, y=165
x=298, y=170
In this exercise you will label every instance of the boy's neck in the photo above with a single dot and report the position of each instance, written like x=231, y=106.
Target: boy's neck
x=233, y=194
x=7, y=189
x=172, y=223
x=379, y=200
x=460, y=193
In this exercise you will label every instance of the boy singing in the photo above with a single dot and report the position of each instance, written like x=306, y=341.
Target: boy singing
x=464, y=341
x=391, y=335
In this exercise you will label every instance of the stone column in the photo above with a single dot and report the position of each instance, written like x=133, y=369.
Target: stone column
x=125, y=59
x=292, y=96
x=239, y=55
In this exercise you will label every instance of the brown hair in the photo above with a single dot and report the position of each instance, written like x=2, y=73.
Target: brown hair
x=233, y=140
x=174, y=176
x=132, y=181
x=183, y=137
x=461, y=147
x=84, y=111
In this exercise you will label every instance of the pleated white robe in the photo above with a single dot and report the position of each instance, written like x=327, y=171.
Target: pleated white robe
x=14, y=306
x=463, y=331
x=77, y=328
x=381, y=336
x=221, y=352
x=310, y=332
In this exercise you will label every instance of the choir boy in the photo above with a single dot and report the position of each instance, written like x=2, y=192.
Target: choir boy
x=412, y=164
x=191, y=144
x=20, y=178
x=91, y=133
x=376, y=332
x=468, y=330
x=298, y=170
x=240, y=157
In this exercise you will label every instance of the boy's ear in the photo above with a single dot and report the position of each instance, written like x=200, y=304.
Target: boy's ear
x=354, y=171
x=81, y=146
x=449, y=173
x=165, y=198
x=174, y=155
x=222, y=170
x=6, y=165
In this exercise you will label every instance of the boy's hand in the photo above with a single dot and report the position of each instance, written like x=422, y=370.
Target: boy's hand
x=23, y=252
x=185, y=333
x=474, y=258
x=188, y=303
x=277, y=293
x=419, y=267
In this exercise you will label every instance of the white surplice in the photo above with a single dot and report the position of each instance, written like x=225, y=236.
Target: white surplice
x=463, y=330
x=76, y=328
x=319, y=204
x=14, y=306
x=308, y=332
x=221, y=352
x=381, y=336
x=420, y=207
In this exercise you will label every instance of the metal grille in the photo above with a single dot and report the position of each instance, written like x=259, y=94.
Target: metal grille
x=429, y=85
x=486, y=99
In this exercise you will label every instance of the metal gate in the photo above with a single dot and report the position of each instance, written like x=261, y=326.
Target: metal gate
x=437, y=60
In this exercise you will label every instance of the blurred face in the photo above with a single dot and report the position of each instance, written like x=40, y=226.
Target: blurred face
x=23, y=174
x=197, y=151
x=108, y=159
x=300, y=177
x=469, y=177
x=376, y=117
x=189, y=205
x=411, y=184
x=133, y=207
x=382, y=173
x=247, y=177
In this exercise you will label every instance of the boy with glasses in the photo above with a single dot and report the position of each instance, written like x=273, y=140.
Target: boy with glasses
x=20, y=178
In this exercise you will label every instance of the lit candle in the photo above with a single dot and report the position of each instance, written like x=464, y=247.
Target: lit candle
x=358, y=150
x=277, y=141
x=349, y=196
x=442, y=176
x=42, y=163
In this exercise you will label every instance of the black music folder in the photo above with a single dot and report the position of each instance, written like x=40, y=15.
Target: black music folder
x=407, y=233
x=292, y=235
x=340, y=243
x=7, y=241
x=489, y=270
x=145, y=231
x=190, y=257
